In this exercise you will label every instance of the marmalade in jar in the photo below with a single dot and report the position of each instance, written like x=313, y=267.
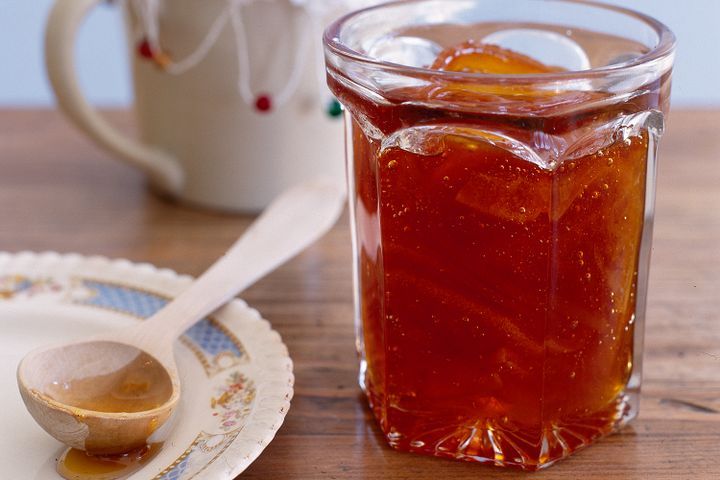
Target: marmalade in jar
x=497, y=279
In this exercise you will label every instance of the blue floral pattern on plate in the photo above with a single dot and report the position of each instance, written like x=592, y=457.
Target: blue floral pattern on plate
x=227, y=430
x=216, y=347
x=240, y=400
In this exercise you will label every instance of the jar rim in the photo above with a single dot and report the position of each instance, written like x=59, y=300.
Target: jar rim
x=664, y=48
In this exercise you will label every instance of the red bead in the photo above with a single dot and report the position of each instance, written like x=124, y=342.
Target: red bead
x=144, y=49
x=263, y=103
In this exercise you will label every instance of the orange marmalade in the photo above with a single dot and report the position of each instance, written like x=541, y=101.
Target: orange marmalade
x=497, y=260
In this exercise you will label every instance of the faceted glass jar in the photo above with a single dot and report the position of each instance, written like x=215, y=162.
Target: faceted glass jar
x=501, y=223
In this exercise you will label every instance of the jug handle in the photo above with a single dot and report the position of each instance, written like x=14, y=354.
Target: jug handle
x=65, y=18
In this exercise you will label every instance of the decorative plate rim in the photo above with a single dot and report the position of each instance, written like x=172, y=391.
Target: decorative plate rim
x=275, y=378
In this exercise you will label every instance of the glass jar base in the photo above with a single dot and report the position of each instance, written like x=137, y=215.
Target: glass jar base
x=498, y=442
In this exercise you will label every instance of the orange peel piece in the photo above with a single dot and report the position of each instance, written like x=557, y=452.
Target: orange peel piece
x=490, y=59
x=485, y=58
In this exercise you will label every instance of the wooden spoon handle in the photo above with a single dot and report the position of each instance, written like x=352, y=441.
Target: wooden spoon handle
x=291, y=223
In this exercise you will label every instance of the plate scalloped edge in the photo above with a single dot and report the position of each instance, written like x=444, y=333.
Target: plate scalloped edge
x=275, y=376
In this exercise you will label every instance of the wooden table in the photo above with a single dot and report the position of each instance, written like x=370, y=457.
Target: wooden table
x=59, y=192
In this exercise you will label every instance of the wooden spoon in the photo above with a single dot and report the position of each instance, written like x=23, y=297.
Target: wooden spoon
x=108, y=394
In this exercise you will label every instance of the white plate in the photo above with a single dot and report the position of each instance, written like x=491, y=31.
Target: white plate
x=236, y=373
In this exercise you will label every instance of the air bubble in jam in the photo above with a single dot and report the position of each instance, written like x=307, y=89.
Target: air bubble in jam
x=515, y=230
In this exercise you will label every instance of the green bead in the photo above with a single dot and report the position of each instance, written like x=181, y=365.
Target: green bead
x=334, y=109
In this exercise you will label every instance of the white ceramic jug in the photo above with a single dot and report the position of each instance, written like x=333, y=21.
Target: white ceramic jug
x=201, y=139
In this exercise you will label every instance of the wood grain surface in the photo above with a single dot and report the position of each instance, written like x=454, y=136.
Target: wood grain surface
x=60, y=192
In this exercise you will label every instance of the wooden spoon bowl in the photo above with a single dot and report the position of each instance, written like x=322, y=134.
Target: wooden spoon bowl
x=75, y=392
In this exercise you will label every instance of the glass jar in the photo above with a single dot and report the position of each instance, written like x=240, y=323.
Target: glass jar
x=501, y=222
